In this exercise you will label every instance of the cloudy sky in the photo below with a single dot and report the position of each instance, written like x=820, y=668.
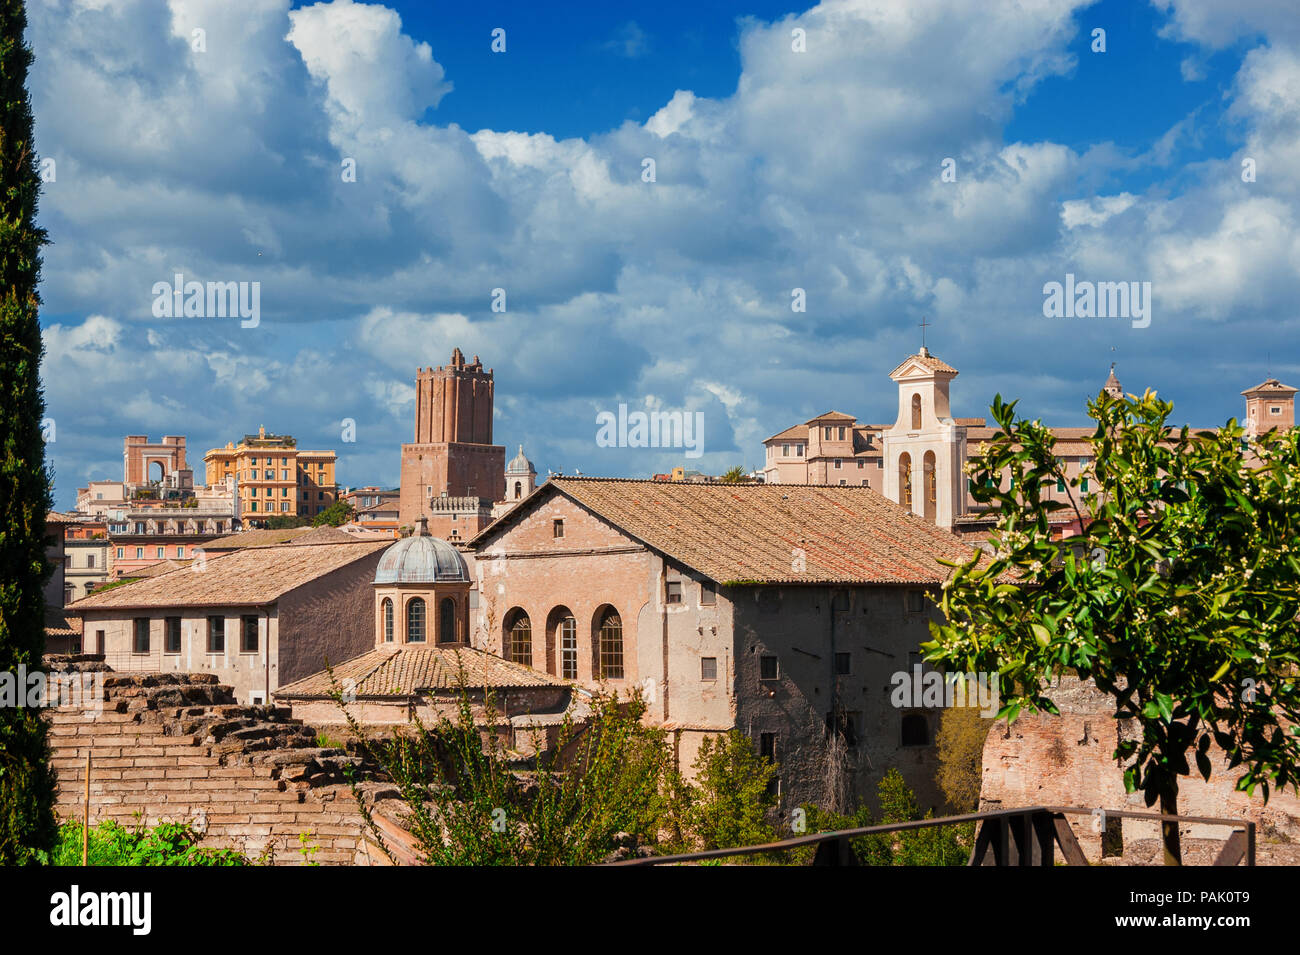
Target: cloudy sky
x=223, y=154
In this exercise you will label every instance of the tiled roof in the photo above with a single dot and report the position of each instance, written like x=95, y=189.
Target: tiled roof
x=249, y=577
x=57, y=624
x=754, y=532
x=325, y=534
x=798, y=431
x=1270, y=386
x=156, y=569
x=832, y=416
x=257, y=538
x=404, y=671
x=926, y=361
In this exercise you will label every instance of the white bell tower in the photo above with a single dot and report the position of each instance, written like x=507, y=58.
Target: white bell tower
x=925, y=450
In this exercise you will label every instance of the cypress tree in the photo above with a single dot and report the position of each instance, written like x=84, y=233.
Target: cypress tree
x=26, y=781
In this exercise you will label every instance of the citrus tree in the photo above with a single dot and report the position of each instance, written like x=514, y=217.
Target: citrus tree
x=1178, y=597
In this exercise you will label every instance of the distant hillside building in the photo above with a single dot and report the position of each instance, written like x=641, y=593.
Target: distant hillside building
x=452, y=473
x=273, y=478
x=257, y=617
x=919, y=460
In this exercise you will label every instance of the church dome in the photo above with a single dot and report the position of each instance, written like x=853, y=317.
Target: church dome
x=421, y=560
x=520, y=464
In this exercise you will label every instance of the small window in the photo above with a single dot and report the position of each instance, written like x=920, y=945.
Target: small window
x=1275, y=410
x=90, y=560
x=180, y=551
x=121, y=553
x=139, y=553
x=216, y=635
x=841, y=433
x=708, y=594
x=843, y=664
x=862, y=463
x=248, y=634
x=1083, y=485
x=785, y=450
x=161, y=552
x=557, y=528
x=915, y=601
x=674, y=595
x=1060, y=485
x=768, y=668
x=826, y=433
x=708, y=668
x=798, y=450
x=767, y=746
x=141, y=642
x=172, y=635
x=839, y=463
x=916, y=730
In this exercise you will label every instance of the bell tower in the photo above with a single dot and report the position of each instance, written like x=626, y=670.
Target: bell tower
x=925, y=449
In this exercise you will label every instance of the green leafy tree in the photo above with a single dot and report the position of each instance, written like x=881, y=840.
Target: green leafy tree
x=1179, y=599
x=283, y=521
x=337, y=514
x=470, y=804
x=960, y=741
x=27, y=824
x=728, y=803
x=735, y=475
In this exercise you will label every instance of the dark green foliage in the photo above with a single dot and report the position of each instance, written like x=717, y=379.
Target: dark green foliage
x=166, y=844
x=728, y=804
x=472, y=803
x=931, y=846
x=336, y=515
x=1180, y=599
x=27, y=823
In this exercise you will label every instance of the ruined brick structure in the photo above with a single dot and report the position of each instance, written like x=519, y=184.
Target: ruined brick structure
x=175, y=748
x=1066, y=761
x=452, y=473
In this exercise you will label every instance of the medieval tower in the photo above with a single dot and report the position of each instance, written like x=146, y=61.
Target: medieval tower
x=452, y=472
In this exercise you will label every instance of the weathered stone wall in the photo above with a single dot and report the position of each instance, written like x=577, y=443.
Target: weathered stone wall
x=1066, y=761
x=174, y=748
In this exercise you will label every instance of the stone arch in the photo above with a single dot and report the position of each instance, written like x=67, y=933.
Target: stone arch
x=562, y=643
x=905, y=480
x=607, y=644
x=916, y=412
x=517, y=637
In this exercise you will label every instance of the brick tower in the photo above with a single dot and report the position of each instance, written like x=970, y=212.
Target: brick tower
x=452, y=472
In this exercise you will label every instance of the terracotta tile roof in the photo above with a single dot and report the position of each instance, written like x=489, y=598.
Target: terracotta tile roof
x=1270, y=386
x=750, y=532
x=58, y=624
x=325, y=534
x=926, y=361
x=799, y=431
x=405, y=670
x=831, y=416
x=156, y=569
x=257, y=538
x=249, y=577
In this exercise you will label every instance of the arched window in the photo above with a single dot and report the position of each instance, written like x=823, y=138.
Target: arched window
x=930, y=501
x=519, y=490
x=609, y=646
x=388, y=620
x=905, y=480
x=916, y=730
x=568, y=633
x=519, y=639
x=916, y=412
x=415, y=621
x=447, y=621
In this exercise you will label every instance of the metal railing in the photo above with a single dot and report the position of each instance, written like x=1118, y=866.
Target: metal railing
x=1004, y=837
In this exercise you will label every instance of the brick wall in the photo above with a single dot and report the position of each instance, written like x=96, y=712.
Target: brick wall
x=1066, y=761
x=174, y=748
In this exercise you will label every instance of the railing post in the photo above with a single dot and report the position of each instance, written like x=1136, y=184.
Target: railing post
x=834, y=852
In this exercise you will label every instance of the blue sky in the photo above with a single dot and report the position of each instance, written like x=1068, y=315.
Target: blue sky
x=776, y=169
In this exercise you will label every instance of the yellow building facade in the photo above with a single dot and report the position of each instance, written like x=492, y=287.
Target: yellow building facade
x=272, y=477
